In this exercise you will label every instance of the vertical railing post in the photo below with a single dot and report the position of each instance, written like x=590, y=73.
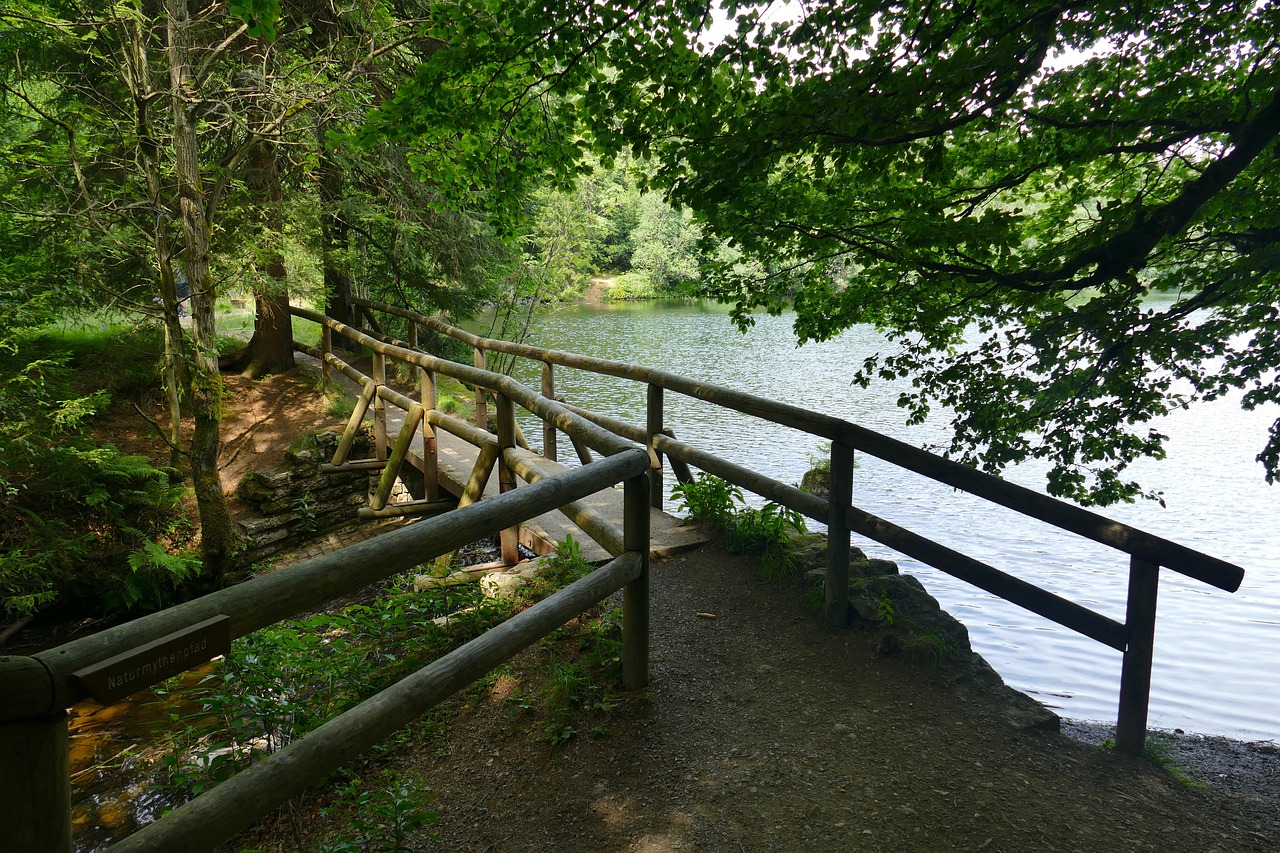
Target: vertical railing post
x=35, y=788
x=326, y=347
x=653, y=426
x=430, y=465
x=838, y=502
x=548, y=428
x=412, y=339
x=1135, y=673
x=379, y=409
x=635, y=595
x=509, y=538
x=482, y=409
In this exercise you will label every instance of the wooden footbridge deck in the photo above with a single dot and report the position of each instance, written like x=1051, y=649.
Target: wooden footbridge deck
x=455, y=465
x=468, y=490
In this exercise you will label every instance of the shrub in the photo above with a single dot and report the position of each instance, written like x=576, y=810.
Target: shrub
x=79, y=518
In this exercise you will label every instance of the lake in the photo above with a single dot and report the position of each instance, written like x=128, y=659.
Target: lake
x=1217, y=659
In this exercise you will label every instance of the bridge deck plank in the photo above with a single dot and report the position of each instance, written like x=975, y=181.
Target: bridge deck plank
x=456, y=457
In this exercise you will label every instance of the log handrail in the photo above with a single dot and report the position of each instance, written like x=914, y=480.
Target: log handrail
x=36, y=690
x=47, y=684
x=1147, y=552
x=234, y=805
x=549, y=410
x=1082, y=522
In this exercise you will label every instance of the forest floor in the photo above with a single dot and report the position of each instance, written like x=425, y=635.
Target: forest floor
x=762, y=731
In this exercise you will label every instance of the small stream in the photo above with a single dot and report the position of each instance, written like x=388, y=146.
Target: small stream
x=116, y=753
x=115, y=775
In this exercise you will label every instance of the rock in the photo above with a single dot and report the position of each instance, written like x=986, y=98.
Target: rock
x=905, y=593
x=817, y=481
x=872, y=568
x=809, y=551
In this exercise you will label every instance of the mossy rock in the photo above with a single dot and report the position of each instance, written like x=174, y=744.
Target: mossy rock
x=817, y=481
x=809, y=552
x=255, y=489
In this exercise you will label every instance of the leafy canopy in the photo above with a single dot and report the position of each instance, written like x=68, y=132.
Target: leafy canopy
x=1062, y=213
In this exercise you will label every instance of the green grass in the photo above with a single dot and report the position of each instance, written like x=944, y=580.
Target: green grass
x=107, y=353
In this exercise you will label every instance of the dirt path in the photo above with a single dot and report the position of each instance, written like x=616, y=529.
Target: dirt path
x=762, y=731
x=597, y=289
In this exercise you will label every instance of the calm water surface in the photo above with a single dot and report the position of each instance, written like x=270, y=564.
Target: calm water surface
x=1217, y=667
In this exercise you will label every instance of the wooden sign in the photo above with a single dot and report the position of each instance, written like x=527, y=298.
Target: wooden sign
x=127, y=673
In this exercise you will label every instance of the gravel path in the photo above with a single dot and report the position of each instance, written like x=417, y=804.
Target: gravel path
x=762, y=731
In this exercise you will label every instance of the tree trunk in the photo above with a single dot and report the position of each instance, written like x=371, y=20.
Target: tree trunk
x=270, y=350
x=140, y=79
x=198, y=371
x=334, y=232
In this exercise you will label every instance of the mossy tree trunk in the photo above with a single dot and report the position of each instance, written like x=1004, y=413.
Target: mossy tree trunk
x=270, y=350
x=338, y=285
x=198, y=368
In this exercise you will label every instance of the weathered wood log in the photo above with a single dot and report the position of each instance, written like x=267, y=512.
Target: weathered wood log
x=379, y=407
x=532, y=468
x=226, y=810
x=426, y=506
x=580, y=447
x=636, y=433
x=549, y=410
x=1135, y=672
x=1080, y=619
x=391, y=395
x=463, y=430
x=1082, y=522
x=367, y=393
x=326, y=347
x=303, y=586
x=836, y=607
x=474, y=490
x=352, y=465
x=482, y=412
x=617, y=426
x=635, y=596
x=399, y=453
x=430, y=461
x=548, y=430
x=509, y=537
x=678, y=466
x=653, y=427
x=35, y=791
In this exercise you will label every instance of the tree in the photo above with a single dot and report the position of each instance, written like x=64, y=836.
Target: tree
x=666, y=244
x=1002, y=187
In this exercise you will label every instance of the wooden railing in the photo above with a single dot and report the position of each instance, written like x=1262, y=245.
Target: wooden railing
x=36, y=690
x=1147, y=553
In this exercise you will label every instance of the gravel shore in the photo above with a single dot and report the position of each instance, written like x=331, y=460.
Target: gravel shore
x=1251, y=768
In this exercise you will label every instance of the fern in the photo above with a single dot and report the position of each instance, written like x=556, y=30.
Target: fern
x=76, y=516
x=153, y=575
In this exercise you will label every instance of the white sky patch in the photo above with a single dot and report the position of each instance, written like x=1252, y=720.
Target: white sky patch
x=722, y=25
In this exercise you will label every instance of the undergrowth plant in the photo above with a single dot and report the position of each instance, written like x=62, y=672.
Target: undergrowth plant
x=281, y=682
x=584, y=665
x=560, y=568
x=381, y=818
x=765, y=531
x=1158, y=749
x=709, y=499
x=930, y=645
x=80, y=519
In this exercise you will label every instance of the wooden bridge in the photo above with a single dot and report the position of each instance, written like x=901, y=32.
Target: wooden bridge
x=467, y=476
